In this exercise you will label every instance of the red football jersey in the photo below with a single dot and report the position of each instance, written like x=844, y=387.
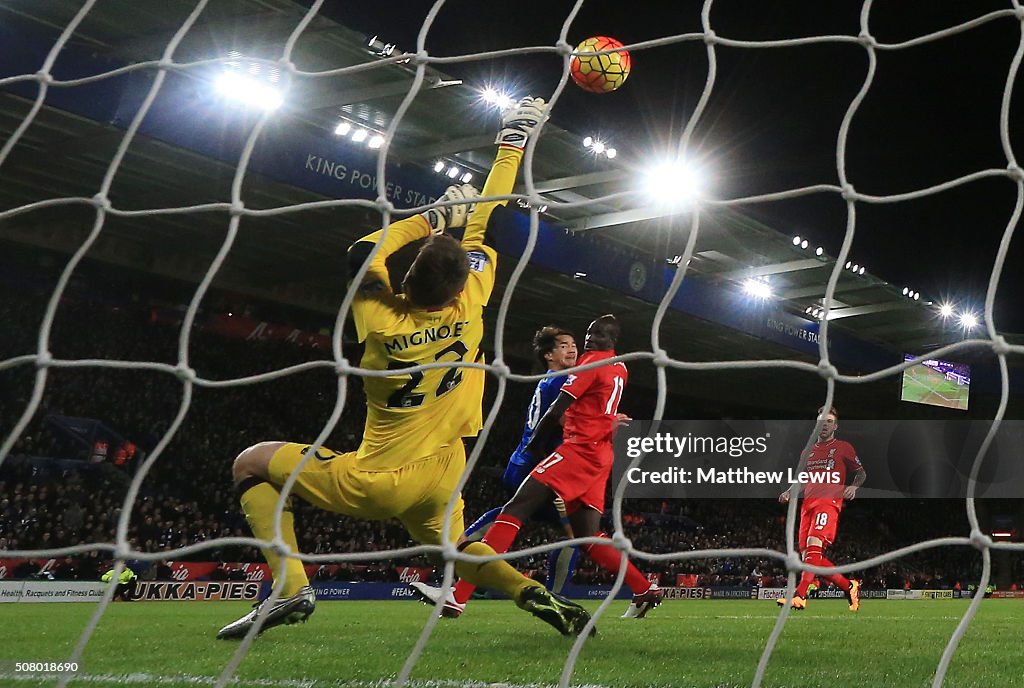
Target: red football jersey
x=598, y=391
x=831, y=459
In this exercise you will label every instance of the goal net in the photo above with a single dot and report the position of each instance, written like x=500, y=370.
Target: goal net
x=40, y=87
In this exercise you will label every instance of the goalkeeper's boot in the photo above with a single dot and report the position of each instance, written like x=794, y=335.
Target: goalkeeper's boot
x=567, y=617
x=428, y=594
x=456, y=215
x=290, y=610
x=853, y=595
x=643, y=603
x=798, y=602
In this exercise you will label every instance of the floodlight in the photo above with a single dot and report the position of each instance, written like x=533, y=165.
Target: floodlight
x=945, y=310
x=342, y=129
x=439, y=166
x=360, y=135
x=611, y=153
x=453, y=171
x=467, y=178
x=757, y=288
x=247, y=90
x=674, y=182
x=376, y=141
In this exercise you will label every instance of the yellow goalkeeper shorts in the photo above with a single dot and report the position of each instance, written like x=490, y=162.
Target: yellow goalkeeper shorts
x=416, y=493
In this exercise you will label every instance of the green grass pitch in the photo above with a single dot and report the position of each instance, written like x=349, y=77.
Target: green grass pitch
x=924, y=385
x=683, y=643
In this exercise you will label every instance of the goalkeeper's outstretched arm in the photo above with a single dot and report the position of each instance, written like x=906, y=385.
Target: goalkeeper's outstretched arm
x=517, y=126
x=398, y=235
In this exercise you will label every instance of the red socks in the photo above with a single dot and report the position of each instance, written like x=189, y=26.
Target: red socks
x=609, y=558
x=463, y=591
x=500, y=537
x=503, y=532
x=813, y=555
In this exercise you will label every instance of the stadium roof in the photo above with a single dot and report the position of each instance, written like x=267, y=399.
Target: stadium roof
x=295, y=258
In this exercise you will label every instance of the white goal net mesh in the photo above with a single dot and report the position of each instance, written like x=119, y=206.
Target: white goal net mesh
x=236, y=213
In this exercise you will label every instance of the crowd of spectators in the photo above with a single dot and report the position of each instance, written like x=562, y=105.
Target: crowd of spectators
x=49, y=500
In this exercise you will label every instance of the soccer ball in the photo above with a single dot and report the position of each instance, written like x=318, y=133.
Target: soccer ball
x=600, y=73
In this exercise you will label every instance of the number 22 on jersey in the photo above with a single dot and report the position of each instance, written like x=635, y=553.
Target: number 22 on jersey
x=413, y=393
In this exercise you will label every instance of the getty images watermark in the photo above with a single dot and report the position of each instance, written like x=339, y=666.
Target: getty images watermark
x=677, y=447
x=755, y=459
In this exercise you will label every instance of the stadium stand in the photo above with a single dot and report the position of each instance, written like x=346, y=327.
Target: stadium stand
x=54, y=496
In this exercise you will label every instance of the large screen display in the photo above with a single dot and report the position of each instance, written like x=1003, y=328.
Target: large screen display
x=939, y=383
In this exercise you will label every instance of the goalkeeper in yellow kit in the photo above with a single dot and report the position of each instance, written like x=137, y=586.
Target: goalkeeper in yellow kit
x=411, y=456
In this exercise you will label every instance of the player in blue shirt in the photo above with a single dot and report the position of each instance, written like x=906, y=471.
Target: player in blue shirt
x=555, y=349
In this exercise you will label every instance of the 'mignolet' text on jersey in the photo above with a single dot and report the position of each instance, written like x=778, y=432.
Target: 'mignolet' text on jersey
x=426, y=336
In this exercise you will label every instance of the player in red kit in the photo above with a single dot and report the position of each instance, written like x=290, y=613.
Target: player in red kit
x=578, y=470
x=831, y=460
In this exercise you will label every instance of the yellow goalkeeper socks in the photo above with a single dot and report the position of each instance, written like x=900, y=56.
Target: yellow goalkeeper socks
x=496, y=574
x=258, y=502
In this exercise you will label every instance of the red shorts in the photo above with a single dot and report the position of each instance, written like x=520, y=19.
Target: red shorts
x=819, y=518
x=578, y=473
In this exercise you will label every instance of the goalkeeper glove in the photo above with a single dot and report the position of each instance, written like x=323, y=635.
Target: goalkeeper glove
x=518, y=123
x=446, y=217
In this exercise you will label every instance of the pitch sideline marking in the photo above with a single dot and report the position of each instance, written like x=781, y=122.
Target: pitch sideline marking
x=843, y=617
x=190, y=679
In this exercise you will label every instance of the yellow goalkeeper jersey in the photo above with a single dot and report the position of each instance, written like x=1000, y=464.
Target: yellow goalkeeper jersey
x=413, y=415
